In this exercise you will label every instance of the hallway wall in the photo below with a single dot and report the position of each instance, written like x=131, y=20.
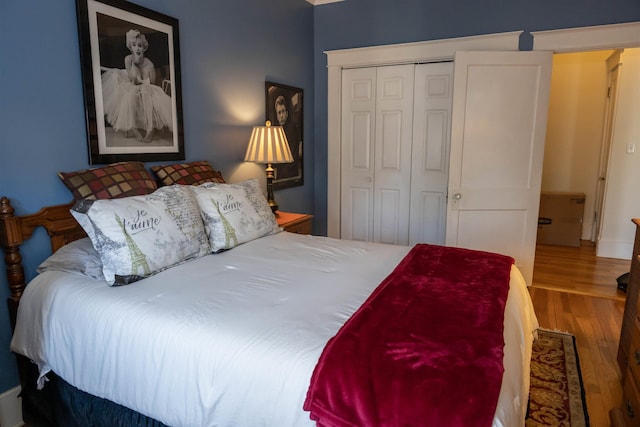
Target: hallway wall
x=621, y=201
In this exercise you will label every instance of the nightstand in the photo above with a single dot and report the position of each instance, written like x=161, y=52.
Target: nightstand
x=294, y=222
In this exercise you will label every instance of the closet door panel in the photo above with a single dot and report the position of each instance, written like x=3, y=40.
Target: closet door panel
x=361, y=202
x=357, y=153
x=390, y=150
x=388, y=216
x=392, y=153
x=359, y=157
x=430, y=159
x=429, y=221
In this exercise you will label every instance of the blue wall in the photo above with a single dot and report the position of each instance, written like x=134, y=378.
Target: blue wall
x=228, y=50
x=359, y=23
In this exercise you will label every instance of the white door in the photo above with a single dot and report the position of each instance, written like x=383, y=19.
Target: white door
x=392, y=174
x=357, y=169
x=430, y=167
x=613, y=67
x=499, y=119
x=377, y=105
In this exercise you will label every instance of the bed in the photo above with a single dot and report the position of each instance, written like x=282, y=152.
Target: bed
x=234, y=337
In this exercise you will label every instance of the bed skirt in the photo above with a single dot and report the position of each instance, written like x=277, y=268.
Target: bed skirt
x=61, y=404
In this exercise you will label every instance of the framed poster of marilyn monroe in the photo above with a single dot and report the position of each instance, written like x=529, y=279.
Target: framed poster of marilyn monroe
x=131, y=75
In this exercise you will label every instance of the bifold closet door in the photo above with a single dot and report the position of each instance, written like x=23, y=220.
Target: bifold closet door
x=430, y=152
x=377, y=118
x=357, y=151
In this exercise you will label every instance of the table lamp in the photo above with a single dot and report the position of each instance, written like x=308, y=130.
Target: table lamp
x=268, y=144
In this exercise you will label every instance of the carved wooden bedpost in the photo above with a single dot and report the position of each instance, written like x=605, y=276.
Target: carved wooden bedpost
x=15, y=272
x=61, y=227
x=10, y=241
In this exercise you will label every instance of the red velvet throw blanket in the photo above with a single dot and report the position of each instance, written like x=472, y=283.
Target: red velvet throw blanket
x=425, y=349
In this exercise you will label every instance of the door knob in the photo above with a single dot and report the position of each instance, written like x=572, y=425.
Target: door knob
x=457, y=196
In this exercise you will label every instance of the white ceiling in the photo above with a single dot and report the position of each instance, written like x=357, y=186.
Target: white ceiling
x=319, y=2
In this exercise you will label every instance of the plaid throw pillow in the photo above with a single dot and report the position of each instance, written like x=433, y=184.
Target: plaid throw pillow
x=117, y=180
x=194, y=173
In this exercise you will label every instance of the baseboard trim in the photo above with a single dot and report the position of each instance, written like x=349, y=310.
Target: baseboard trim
x=11, y=408
x=614, y=249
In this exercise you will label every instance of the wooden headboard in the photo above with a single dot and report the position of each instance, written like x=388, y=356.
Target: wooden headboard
x=61, y=227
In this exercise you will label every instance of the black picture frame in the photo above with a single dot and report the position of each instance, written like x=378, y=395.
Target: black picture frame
x=129, y=116
x=287, y=174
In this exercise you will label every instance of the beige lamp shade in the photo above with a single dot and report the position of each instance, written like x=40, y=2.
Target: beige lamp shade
x=268, y=144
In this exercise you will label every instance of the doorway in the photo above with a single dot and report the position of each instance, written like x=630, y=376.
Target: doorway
x=585, y=128
x=616, y=237
x=575, y=149
x=581, y=124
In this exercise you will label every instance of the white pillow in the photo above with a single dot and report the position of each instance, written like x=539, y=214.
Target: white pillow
x=234, y=213
x=141, y=235
x=78, y=257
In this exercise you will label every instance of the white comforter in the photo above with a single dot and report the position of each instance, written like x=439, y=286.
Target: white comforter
x=229, y=339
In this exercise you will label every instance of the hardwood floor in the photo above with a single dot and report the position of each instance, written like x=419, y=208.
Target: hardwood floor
x=578, y=270
x=575, y=291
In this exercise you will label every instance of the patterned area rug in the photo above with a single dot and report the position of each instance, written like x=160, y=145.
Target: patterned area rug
x=556, y=395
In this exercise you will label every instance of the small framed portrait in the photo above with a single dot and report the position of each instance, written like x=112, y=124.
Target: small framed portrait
x=131, y=75
x=284, y=108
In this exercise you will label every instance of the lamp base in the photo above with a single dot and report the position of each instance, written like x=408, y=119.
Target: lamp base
x=270, y=199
